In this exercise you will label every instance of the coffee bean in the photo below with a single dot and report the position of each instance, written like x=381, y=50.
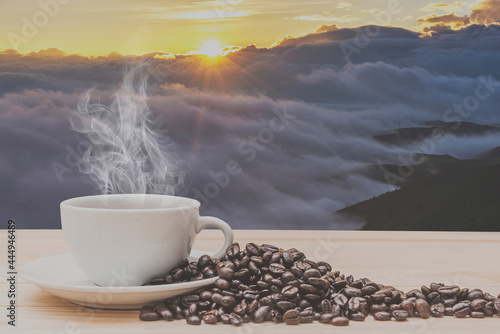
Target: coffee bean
x=189, y=299
x=374, y=308
x=489, y=309
x=357, y=304
x=289, y=291
x=147, y=314
x=475, y=294
x=261, y=314
x=253, y=249
x=340, y=300
x=222, y=284
x=210, y=317
x=352, y=292
x=307, y=288
x=235, y=319
x=423, y=308
x=292, y=317
x=449, y=291
x=400, y=315
x=193, y=320
x=164, y=311
x=437, y=310
x=340, y=321
x=233, y=250
x=477, y=304
x=277, y=269
x=287, y=259
x=225, y=273
x=271, y=248
x=285, y=305
x=425, y=290
x=225, y=318
x=320, y=283
x=477, y=314
x=382, y=316
x=326, y=306
x=312, y=273
x=228, y=301
x=448, y=311
x=497, y=305
x=357, y=316
x=461, y=310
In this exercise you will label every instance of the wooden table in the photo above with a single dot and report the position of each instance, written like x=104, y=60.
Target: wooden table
x=405, y=260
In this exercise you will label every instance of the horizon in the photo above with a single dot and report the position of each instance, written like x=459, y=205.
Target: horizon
x=135, y=28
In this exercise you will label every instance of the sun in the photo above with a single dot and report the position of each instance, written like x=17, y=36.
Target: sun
x=211, y=48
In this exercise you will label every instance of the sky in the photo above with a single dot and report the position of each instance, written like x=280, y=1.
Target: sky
x=297, y=118
x=99, y=27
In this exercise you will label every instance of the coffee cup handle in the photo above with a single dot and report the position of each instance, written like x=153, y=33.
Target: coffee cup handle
x=222, y=225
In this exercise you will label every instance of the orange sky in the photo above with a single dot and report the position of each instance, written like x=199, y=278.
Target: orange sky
x=98, y=27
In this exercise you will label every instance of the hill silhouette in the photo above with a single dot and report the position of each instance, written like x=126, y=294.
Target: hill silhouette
x=443, y=194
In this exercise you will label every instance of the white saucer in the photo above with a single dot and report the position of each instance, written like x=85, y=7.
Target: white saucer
x=60, y=276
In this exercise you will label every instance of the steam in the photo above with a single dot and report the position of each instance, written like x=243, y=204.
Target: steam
x=125, y=154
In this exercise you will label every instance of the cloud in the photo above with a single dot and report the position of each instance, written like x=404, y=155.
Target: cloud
x=343, y=5
x=484, y=13
x=295, y=176
x=443, y=7
x=318, y=17
x=450, y=20
x=326, y=28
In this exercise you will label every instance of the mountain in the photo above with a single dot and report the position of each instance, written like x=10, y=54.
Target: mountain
x=405, y=136
x=491, y=154
x=443, y=194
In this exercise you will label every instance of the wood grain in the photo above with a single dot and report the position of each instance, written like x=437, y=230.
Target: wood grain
x=405, y=260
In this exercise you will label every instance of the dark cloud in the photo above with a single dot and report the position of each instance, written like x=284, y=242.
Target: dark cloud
x=294, y=176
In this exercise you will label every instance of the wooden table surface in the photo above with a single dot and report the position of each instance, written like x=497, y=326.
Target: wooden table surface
x=405, y=260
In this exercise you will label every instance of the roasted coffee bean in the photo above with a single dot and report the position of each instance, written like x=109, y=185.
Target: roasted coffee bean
x=233, y=250
x=461, y=310
x=311, y=273
x=210, y=317
x=475, y=294
x=497, y=305
x=307, y=319
x=179, y=275
x=352, y=292
x=285, y=305
x=319, y=283
x=340, y=321
x=216, y=298
x=261, y=314
x=287, y=259
x=277, y=269
x=225, y=318
x=357, y=316
x=357, y=304
x=225, y=273
x=296, y=272
x=289, y=291
x=271, y=248
x=400, y=315
x=462, y=295
x=326, y=306
x=204, y=261
x=253, y=268
x=307, y=288
x=477, y=314
x=449, y=291
x=477, y=304
x=415, y=293
x=425, y=290
x=193, y=320
x=189, y=299
x=450, y=301
x=228, y=301
x=242, y=274
x=423, y=308
x=235, y=319
x=340, y=300
x=292, y=317
x=222, y=284
x=394, y=307
x=437, y=310
x=253, y=249
x=147, y=314
x=164, y=311
x=368, y=290
x=312, y=298
x=374, y=308
x=489, y=309
x=382, y=316
x=448, y=311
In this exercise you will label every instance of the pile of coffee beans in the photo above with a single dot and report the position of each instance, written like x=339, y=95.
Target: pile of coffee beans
x=266, y=283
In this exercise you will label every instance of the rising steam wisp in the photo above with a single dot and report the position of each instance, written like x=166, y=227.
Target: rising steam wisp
x=125, y=155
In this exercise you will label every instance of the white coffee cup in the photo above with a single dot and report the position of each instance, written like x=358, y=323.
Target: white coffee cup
x=125, y=240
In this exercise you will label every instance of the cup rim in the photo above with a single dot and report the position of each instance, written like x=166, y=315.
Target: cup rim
x=69, y=203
